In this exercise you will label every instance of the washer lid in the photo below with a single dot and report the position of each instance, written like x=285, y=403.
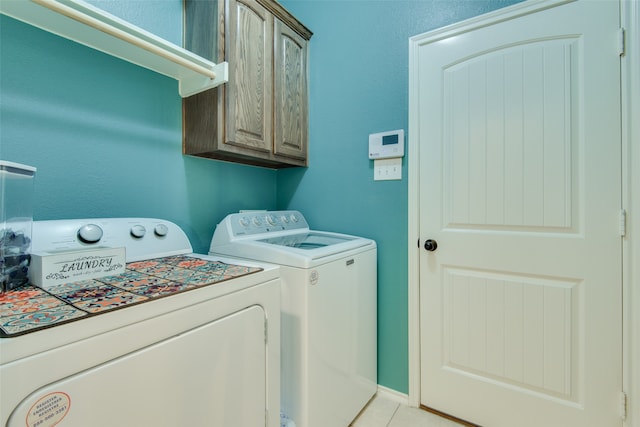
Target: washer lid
x=308, y=241
x=302, y=250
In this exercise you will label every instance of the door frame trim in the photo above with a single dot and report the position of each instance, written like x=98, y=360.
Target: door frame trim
x=630, y=20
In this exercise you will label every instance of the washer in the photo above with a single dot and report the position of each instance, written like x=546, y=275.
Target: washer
x=208, y=356
x=328, y=309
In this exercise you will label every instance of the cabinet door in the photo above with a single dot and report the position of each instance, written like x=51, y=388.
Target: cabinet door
x=290, y=93
x=249, y=91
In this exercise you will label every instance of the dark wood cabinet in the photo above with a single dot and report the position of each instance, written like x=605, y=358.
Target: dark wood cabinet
x=260, y=116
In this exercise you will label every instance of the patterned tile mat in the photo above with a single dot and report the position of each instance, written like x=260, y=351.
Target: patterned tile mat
x=29, y=308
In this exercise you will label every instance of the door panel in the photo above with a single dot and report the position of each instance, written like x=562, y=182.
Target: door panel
x=290, y=93
x=520, y=305
x=251, y=59
x=502, y=169
x=517, y=330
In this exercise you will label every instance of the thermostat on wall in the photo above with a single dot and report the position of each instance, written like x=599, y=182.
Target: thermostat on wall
x=385, y=145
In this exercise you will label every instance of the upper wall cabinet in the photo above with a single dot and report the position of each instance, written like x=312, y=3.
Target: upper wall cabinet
x=93, y=27
x=261, y=116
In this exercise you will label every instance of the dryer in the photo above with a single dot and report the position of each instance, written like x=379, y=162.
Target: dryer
x=328, y=306
x=178, y=339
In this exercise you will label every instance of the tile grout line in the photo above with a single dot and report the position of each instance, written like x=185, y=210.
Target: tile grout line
x=393, y=415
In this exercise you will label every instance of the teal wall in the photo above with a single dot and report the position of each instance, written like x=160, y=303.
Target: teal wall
x=359, y=85
x=105, y=136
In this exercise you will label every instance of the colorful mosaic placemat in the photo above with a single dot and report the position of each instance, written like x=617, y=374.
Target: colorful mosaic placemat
x=30, y=308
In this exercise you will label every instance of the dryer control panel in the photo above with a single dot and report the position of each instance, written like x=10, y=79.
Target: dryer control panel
x=143, y=238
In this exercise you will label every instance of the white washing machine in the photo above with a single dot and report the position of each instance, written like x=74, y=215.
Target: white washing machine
x=329, y=332
x=181, y=340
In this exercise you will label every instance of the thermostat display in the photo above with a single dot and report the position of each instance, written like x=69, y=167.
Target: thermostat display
x=386, y=145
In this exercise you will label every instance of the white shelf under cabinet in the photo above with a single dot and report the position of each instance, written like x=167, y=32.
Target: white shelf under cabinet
x=93, y=27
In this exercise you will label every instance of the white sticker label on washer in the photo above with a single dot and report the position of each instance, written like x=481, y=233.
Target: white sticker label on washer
x=49, y=410
x=313, y=277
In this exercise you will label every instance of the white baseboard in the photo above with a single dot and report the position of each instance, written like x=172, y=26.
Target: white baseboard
x=393, y=395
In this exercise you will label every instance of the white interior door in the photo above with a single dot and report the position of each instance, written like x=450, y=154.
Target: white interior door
x=518, y=124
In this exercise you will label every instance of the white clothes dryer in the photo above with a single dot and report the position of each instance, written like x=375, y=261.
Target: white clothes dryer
x=329, y=303
x=179, y=339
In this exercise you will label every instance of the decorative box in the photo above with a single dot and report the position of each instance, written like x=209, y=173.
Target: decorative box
x=54, y=268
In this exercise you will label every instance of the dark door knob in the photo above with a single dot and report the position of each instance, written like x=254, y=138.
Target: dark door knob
x=431, y=245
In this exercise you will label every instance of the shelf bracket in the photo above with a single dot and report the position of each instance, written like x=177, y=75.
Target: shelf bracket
x=196, y=85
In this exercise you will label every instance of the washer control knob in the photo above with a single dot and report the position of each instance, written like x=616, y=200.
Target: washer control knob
x=244, y=221
x=256, y=221
x=271, y=220
x=90, y=233
x=294, y=218
x=284, y=219
x=161, y=230
x=138, y=231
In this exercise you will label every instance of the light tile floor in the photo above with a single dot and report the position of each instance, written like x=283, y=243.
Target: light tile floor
x=384, y=412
